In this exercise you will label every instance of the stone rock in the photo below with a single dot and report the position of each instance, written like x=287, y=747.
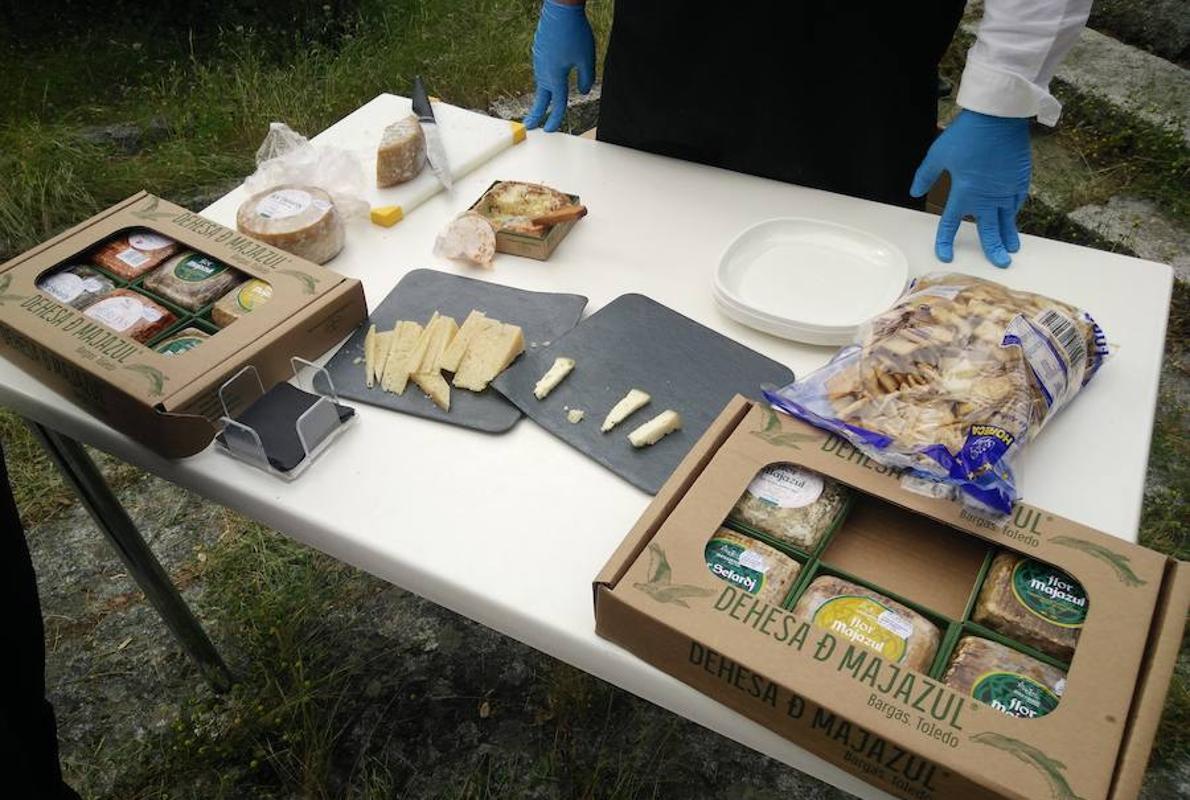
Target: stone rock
x=582, y=110
x=1132, y=80
x=128, y=137
x=1142, y=228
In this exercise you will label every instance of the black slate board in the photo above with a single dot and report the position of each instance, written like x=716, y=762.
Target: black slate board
x=635, y=342
x=543, y=316
x=274, y=416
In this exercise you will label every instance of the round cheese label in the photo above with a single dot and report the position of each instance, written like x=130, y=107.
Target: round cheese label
x=284, y=203
x=1049, y=593
x=195, y=268
x=1014, y=694
x=149, y=241
x=121, y=313
x=736, y=564
x=180, y=345
x=253, y=293
x=786, y=486
x=868, y=623
x=68, y=287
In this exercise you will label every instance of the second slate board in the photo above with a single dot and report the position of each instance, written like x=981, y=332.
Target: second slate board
x=637, y=343
x=543, y=316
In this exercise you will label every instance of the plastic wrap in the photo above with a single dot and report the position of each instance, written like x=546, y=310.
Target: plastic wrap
x=285, y=157
x=952, y=381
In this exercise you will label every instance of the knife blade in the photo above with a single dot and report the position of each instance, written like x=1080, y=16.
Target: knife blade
x=435, y=151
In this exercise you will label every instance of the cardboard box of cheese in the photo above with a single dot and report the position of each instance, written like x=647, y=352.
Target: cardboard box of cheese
x=895, y=650
x=136, y=377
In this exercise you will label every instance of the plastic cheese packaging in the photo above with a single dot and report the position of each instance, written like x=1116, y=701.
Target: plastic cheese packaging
x=467, y=237
x=402, y=152
x=183, y=341
x=191, y=280
x=1004, y=679
x=131, y=314
x=77, y=286
x=794, y=505
x=1033, y=603
x=951, y=382
x=301, y=220
x=751, y=565
x=133, y=254
x=865, y=618
x=240, y=301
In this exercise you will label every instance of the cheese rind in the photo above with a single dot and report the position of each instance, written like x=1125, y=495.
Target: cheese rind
x=395, y=375
x=402, y=152
x=655, y=429
x=628, y=405
x=488, y=355
x=476, y=323
x=553, y=376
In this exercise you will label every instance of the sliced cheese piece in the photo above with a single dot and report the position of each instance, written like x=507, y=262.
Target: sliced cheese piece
x=301, y=220
x=652, y=431
x=489, y=354
x=476, y=323
x=435, y=387
x=419, y=349
x=402, y=152
x=369, y=355
x=395, y=376
x=629, y=404
x=442, y=330
x=575, y=415
x=553, y=376
x=384, y=340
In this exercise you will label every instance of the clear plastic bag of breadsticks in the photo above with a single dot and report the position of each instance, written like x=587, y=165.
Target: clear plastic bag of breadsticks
x=952, y=382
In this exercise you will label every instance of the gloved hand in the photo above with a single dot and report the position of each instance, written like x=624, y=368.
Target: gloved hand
x=989, y=160
x=563, y=41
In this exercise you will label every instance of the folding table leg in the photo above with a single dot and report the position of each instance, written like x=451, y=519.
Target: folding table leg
x=82, y=474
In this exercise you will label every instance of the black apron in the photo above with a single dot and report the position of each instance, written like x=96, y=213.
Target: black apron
x=834, y=95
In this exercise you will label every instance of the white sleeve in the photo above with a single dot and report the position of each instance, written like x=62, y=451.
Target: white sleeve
x=1019, y=45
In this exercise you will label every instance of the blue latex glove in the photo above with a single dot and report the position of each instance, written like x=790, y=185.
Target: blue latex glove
x=989, y=160
x=563, y=41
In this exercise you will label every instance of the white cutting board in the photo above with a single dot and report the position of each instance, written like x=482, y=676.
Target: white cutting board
x=470, y=138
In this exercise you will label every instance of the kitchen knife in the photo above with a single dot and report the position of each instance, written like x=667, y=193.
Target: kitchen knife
x=435, y=152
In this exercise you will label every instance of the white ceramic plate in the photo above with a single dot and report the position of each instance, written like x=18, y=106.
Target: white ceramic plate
x=808, y=280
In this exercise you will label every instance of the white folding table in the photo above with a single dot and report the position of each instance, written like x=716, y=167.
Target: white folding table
x=509, y=530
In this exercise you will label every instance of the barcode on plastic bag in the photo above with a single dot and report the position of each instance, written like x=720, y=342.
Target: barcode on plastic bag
x=1063, y=329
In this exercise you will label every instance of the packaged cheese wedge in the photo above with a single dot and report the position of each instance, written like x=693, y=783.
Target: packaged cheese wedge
x=1008, y=681
x=864, y=618
x=751, y=565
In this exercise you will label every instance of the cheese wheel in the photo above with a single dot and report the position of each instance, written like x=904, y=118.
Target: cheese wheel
x=301, y=220
x=402, y=152
x=133, y=254
x=181, y=342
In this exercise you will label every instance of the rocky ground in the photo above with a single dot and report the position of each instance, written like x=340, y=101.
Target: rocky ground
x=349, y=687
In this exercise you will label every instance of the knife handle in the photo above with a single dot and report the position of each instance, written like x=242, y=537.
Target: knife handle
x=560, y=215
